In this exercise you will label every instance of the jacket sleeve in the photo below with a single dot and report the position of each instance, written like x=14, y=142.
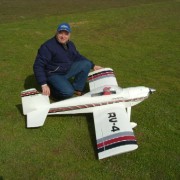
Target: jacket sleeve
x=43, y=56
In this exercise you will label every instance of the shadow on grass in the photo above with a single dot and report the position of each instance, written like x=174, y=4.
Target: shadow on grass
x=91, y=128
x=30, y=82
x=19, y=108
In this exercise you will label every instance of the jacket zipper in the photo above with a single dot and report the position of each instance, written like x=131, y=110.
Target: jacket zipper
x=54, y=70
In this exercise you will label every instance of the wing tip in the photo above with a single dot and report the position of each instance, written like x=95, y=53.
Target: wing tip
x=117, y=151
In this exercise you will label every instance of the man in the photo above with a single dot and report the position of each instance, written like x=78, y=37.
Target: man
x=57, y=62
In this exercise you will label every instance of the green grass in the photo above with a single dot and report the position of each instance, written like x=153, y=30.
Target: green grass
x=140, y=40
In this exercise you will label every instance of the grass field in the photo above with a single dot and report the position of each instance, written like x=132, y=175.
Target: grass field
x=140, y=40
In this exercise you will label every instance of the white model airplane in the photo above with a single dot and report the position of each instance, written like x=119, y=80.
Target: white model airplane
x=110, y=105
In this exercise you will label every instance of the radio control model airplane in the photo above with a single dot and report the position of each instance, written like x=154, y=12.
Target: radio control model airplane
x=110, y=105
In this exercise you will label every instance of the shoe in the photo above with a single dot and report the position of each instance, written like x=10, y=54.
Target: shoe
x=78, y=93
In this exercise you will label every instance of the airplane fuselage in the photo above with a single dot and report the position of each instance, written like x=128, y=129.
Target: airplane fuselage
x=126, y=97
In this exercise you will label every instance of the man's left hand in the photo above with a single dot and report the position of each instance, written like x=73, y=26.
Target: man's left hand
x=97, y=67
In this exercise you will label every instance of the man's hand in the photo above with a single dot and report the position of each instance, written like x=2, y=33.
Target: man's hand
x=45, y=90
x=97, y=67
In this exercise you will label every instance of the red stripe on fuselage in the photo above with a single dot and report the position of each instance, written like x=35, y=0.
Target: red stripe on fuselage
x=61, y=109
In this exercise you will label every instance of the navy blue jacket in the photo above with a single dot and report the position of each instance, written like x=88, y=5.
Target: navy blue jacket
x=53, y=58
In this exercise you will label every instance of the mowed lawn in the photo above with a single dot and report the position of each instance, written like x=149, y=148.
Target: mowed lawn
x=139, y=40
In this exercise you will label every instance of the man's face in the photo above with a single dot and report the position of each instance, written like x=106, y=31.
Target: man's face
x=63, y=36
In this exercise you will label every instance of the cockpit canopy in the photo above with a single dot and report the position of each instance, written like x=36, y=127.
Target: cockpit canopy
x=105, y=90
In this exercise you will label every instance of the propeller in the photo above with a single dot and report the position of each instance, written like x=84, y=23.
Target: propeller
x=151, y=90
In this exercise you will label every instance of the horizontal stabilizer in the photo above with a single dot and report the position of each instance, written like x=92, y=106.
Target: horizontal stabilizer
x=36, y=118
x=35, y=106
x=33, y=100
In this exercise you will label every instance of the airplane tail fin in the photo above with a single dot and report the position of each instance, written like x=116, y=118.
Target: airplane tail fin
x=35, y=106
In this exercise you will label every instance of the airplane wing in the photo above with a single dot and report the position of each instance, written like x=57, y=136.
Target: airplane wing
x=114, y=134
x=101, y=77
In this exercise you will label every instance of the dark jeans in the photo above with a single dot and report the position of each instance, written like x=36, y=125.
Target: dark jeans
x=60, y=85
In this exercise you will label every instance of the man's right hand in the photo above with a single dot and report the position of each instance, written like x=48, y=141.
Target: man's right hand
x=45, y=90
